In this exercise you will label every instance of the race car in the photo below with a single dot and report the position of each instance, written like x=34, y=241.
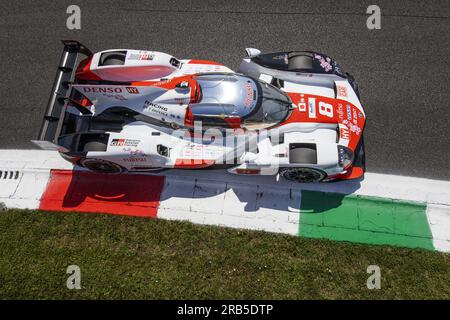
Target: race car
x=295, y=114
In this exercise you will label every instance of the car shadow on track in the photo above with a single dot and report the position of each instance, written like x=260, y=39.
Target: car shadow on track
x=227, y=193
x=189, y=192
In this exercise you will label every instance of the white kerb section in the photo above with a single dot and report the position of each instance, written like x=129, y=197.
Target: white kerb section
x=230, y=204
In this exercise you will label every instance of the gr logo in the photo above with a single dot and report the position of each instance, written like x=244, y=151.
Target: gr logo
x=74, y=280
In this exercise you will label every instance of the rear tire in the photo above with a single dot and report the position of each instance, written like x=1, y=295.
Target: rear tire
x=303, y=175
x=94, y=146
x=299, y=61
x=113, y=62
x=101, y=166
x=113, y=59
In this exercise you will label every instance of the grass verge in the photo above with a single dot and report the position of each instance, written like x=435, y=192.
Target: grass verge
x=137, y=258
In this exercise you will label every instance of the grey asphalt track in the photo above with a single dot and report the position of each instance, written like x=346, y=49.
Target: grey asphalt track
x=402, y=69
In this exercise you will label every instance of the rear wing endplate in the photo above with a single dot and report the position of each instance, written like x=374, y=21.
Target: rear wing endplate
x=57, y=103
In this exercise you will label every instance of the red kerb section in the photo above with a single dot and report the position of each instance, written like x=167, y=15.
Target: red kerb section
x=133, y=195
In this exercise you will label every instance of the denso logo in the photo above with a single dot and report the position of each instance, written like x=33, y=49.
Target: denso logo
x=102, y=90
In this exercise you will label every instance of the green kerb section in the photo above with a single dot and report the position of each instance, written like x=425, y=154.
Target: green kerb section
x=364, y=219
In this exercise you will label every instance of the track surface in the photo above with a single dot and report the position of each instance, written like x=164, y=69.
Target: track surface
x=402, y=69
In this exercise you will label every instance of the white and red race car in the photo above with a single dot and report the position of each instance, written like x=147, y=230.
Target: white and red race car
x=293, y=113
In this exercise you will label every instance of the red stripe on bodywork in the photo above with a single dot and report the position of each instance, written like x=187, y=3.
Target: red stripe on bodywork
x=132, y=195
x=192, y=163
x=84, y=71
x=204, y=62
x=233, y=122
x=354, y=173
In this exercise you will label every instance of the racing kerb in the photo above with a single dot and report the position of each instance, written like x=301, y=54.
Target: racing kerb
x=381, y=209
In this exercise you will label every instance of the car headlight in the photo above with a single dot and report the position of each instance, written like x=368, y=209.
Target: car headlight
x=345, y=156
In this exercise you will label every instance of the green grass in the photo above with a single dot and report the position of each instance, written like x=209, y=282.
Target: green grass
x=127, y=258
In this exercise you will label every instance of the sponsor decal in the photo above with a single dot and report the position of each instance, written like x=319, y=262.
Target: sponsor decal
x=109, y=92
x=349, y=112
x=155, y=108
x=345, y=134
x=324, y=63
x=342, y=91
x=200, y=151
x=132, y=90
x=162, y=82
x=117, y=142
x=102, y=89
x=135, y=159
x=302, y=105
x=124, y=143
x=135, y=152
x=182, y=100
x=143, y=55
x=355, y=116
x=115, y=96
x=340, y=111
x=249, y=94
x=337, y=68
x=353, y=128
x=312, y=107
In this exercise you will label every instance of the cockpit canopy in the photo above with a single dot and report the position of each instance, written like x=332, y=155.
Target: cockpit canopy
x=225, y=94
x=232, y=100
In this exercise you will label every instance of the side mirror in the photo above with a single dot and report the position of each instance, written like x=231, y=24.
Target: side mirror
x=252, y=52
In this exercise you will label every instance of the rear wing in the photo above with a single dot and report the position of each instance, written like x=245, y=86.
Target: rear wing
x=57, y=103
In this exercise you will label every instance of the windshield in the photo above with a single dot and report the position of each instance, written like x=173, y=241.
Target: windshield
x=275, y=107
x=226, y=94
x=256, y=104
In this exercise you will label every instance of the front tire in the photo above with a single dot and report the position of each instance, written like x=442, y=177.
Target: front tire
x=303, y=175
x=101, y=166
